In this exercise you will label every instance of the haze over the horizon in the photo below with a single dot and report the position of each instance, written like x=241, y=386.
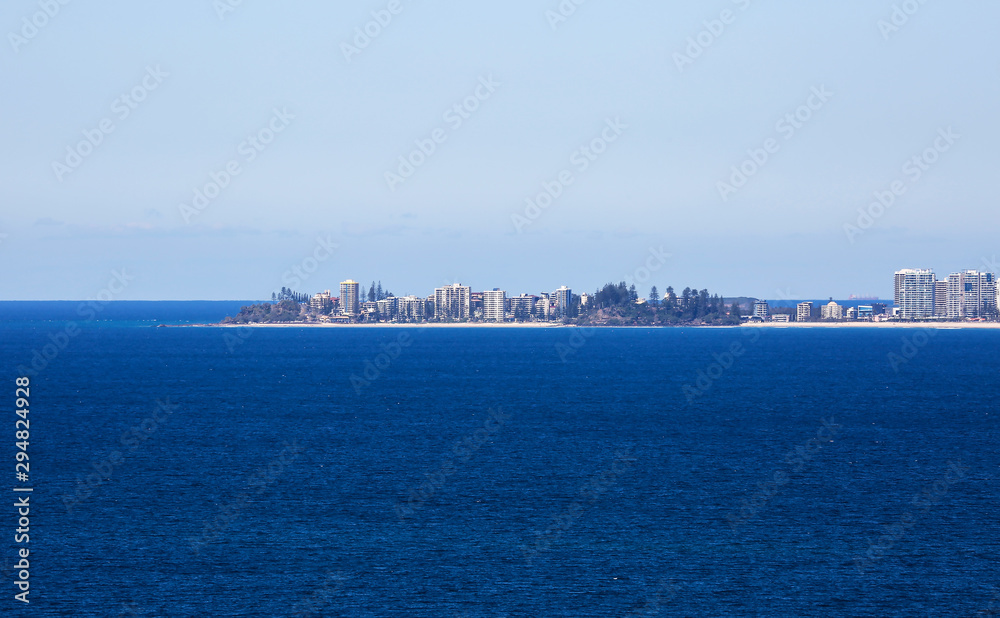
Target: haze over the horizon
x=537, y=89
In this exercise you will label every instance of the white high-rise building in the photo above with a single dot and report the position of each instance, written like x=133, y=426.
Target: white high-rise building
x=941, y=299
x=543, y=308
x=452, y=302
x=761, y=309
x=522, y=307
x=493, y=305
x=386, y=308
x=971, y=294
x=349, y=297
x=410, y=308
x=804, y=312
x=914, y=293
x=563, y=297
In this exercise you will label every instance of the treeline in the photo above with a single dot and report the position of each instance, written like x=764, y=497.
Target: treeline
x=289, y=294
x=287, y=310
x=376, y=293
x=617, y=304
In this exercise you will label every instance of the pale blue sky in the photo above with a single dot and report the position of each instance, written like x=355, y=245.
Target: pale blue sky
x=656, y=185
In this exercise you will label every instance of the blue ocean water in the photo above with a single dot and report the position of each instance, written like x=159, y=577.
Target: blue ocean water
x=474, y=472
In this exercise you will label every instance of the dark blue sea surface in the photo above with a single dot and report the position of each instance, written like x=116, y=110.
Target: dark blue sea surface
x=492, y=472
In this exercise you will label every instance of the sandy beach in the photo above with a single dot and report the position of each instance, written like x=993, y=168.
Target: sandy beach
x=397, y=325
x=939, y=325
x=945, y=325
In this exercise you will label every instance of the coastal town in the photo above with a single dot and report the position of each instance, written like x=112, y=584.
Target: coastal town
x=919, y=296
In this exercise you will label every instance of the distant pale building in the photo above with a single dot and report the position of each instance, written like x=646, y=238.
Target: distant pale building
x=584, y=299
x=369, y=311
x=761, y=309
x=971, y=294
x=522, y=307
x=349, y=297
x=493, y=305
x=387, y=308
x=852, y=313
x=803, y=312
x=941, y=299
x=832, y=311
x=476, y=304
x=452, y=302
x=321, y=303
x=543, y=308
x=781, y=317
x=410, y=308
x=914, y=293
x=563, y=296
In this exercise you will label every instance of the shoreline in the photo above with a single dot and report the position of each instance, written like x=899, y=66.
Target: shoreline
x=905, y=325
x=944, y=325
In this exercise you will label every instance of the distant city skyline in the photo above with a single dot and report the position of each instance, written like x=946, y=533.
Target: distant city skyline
x=506, y=146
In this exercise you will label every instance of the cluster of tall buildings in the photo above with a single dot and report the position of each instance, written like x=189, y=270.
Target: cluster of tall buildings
x=455, y=302
x=967, y=294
